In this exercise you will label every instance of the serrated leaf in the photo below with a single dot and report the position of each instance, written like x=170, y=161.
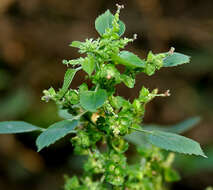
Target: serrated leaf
x=92, y=100
x=11, y=127
x=129, y=59
x=174, y=142
x=175, y=59
x=88, y=65
x=178, y=128
x=55, y=132
x=105, y=20
x=70, y=73
x=137, y=138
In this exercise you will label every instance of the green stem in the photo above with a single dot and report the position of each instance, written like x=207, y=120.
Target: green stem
x=96, y=88
x=78, y=116
x=78, y=69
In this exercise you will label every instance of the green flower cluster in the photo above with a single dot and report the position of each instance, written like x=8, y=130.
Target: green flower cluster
x=106, y=125
x=114, y=119
x=106, y=119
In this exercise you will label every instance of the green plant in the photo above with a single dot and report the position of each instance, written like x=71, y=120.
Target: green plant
x=103, y=123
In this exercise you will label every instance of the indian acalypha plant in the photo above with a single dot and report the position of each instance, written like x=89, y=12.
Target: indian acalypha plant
x=104, y=125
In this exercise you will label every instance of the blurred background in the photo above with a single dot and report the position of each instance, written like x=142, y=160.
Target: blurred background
x=34, y=39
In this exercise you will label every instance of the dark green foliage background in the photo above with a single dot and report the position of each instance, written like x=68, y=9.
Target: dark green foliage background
x=34, y=38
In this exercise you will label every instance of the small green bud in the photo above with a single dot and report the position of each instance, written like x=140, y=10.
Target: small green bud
x=71, y=183
x=83, y=87
x=49, y=94
x=137, y=104
x=111, y=168
x=117, y=171
x=72, y=97
x=144, y=95
x=128, y=81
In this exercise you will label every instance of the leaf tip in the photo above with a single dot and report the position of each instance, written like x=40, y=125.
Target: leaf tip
x=39, y=149
x=203, y=154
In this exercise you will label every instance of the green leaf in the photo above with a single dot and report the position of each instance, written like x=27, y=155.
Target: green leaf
x=65, y=114
x=91, y=100
x=175, y=59
x=105, y=20
x=11, y=127
x=76, y=44
x=174, y=142
x=55, y=132
x=70, y=73
x=178, y=128
x=137, y=138
x=88, y=65
x=129, y=59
